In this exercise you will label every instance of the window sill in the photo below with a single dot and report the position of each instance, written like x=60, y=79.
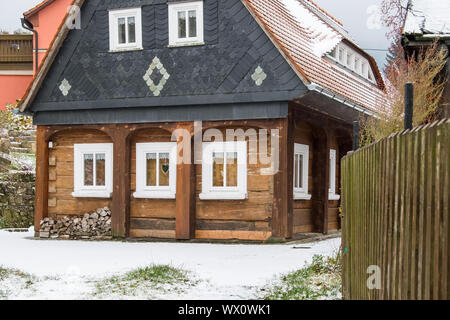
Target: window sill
x=91, y=194
x=334, y=197
x=302, y=196
x=185, y=44
x=223, y=196
x=153, y=195
x=125, y=49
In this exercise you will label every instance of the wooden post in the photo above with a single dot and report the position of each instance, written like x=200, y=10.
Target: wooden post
x=355, y=135
x=120, y=217
x=185, y=194
x=409, y=105
x=321, y=177
x=282, y=223
x=41, y=197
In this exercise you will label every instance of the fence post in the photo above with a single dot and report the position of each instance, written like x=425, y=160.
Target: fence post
x=355, y=135
x=409, y=104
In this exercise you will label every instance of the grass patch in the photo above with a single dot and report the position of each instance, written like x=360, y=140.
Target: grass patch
x=12, y=280
x=319, y=280
x=145, y=282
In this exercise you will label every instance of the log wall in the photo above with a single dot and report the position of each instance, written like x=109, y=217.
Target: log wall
x=60, y=176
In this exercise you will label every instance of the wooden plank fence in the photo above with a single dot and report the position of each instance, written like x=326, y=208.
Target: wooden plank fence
x=395, y=199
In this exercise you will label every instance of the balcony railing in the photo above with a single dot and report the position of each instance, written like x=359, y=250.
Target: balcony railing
x=16, y=48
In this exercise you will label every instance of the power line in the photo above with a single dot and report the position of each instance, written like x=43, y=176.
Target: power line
x=376, y=50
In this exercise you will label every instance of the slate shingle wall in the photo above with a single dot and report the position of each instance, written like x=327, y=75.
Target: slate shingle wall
x=234, y=47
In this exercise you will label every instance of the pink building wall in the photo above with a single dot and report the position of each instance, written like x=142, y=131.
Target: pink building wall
x=12, y=87
x=46, y=19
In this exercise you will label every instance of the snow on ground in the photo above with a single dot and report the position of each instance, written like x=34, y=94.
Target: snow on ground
x=68, y=269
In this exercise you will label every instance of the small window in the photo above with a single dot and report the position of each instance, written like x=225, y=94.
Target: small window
x=365, y=70
x=332, y=189
x=93, y=170
x=224, y=170
x=186, y=23
x=125, y=29
x=156, y=169
x=341, y=55
x=358, y=65
x=301, y=166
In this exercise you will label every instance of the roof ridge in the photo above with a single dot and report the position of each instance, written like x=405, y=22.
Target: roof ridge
x=325, y=12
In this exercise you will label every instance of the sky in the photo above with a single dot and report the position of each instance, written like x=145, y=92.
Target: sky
x=358, y=16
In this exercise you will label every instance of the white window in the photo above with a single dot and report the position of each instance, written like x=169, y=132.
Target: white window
x=332, y=189
x=156, y=170
x=93, y=170
x=186, y=23
x=224, y=170
x=125, y=29
x=301, y=159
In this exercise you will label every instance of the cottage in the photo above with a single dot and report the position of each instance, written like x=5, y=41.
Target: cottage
x=131, y=108
x=425, y=23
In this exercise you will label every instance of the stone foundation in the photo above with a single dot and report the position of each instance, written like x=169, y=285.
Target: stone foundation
x=95, y=225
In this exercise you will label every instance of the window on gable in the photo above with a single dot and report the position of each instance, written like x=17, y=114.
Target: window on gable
x=224, y=170
x=332, y=188
x=125, y=29
x=93, y=170
x=156, y=170
x=301, y=168
x=186, y=23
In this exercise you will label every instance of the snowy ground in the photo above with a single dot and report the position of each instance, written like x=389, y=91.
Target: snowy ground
x=63, y=269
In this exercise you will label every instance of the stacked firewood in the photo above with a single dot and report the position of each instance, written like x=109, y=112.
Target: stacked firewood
x=96, y=224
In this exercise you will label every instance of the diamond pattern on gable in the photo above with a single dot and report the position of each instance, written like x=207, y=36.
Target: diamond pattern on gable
x=259, y=76
x=156, y=88
x=65, y=87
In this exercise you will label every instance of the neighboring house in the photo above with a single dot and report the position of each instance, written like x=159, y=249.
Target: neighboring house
x=426, y=22
x=17, y=66
x=109, y=96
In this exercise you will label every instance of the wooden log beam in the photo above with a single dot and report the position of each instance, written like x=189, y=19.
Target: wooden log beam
x=41, y=185
x=282, y=192
x=186, y=179
x=120, y=217
x=321, y=178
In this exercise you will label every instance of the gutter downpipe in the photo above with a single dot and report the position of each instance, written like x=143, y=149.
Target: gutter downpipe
x=29, y=26
x=333, y=96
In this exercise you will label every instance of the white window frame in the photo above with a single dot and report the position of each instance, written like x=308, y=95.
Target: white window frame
x=155, y=192
x=302, y=193
x=209, y=192
x=174, y=8
x=82, y=191
x=114, y=16
x=358, y=62
x=332, y=188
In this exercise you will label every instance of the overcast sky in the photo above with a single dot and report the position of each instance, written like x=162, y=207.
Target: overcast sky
x=358, y=17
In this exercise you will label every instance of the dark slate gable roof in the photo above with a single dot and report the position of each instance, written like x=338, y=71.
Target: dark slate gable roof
x=218, y=72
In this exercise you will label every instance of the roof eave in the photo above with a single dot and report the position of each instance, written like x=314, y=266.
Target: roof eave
x=48, y=59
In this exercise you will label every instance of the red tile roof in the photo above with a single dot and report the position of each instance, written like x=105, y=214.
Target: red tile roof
x=297, y=43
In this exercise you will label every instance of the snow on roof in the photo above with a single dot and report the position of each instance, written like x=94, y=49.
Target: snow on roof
x=428, y=17
x=323, y=37
x=305, y=35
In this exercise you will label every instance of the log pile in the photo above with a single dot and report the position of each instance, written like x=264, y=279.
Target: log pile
x=94, y=225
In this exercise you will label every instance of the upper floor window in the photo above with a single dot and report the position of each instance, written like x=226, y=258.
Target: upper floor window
x=354, y=61
x=125, y=29
x=186, y=23
x=93, y=170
